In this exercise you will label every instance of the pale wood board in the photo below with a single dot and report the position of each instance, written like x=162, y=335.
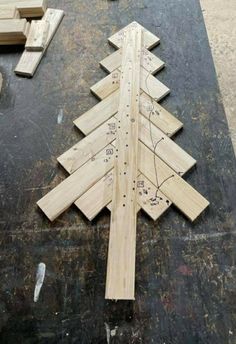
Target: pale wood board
x=13, y=31
x=30, y=59
x=149, y=39
x=159, y=116
x=106, y=108
x=8, y=12
x=85, y=149
x=98, y=114
x=120, y=279
x=67, y=192
x=27, y=8
x=37, y=36
x=149, y=61
x=176, y=189
x=148, y=83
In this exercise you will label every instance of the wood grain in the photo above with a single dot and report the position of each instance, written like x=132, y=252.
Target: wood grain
x=27, y=8
x=37, y=36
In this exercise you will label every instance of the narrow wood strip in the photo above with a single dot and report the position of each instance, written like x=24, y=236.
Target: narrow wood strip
x=12, y=27
x=106, y=108
x=148, y=82
x=149, y=39
x=184, y=196
x=149, y=61
x=28, y=8
x=120, y=279
x=85, y=149
x=163, y=119
x=30, y=60
x=97, y=115
x=67, y=192
x=38, y=34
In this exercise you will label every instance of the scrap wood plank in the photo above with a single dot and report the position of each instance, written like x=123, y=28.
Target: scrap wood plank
x=37, y=36
x=148, y=83
x=30, y=59
x=149, y=61
x=8, y=12
x=67, y=192
x=149, y=134
x=149, y=39
x=149, y=198
x=176, y=189
x=106, y=108
x=13, y=31
x=27, y=8
x=122, y=239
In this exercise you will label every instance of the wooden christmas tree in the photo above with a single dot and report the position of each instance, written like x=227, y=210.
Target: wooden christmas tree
x=127, y=161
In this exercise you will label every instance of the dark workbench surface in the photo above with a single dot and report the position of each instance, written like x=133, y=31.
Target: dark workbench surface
x=186, y=273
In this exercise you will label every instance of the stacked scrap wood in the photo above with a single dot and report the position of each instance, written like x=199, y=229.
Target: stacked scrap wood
x=35, y=35
x=13, y=31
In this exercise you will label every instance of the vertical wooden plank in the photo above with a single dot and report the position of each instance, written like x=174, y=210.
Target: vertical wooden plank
x=37, y=37
x=122, y=242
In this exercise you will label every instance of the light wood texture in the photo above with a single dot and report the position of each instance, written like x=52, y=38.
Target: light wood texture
x=166, y=149
x=37, y=36
x=149, y=39
x=67, y=192
x=155, y=113
x=106, y=108
x=13, y=31
x=27, y=8
x=122, y=239
x=184, y=196
x=148, y=83
x=8, y=12
x=85, y=149
x=30, y=60
x=149, y=61
x=100, y=113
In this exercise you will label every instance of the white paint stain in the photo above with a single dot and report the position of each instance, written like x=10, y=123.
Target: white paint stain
x=60, y=116
x=39, y=280
x=110, y=333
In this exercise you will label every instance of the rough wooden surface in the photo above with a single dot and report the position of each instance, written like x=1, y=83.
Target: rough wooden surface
x=185, y=289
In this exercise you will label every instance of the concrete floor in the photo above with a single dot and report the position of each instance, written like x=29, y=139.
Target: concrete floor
x=220, y=19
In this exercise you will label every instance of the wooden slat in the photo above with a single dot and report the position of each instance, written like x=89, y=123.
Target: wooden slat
x=149, y=39
x=63, y=195
x=100, y=113
x=30, y=59
x=9, y=12
x=13, y=31
x=153, y=202
x=148, y=82
x=176, y=189
x=85, y=149
x=27, y=8
x=37, y=37
x=106, y=108
x=155, y=113
x=149, y=61
x=166, y=149
x=122, y=239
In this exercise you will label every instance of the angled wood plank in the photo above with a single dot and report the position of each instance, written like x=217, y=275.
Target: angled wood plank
x=149, y=39
x=30, y=60
x=155, y=113
x=176, y=189
x=148, y=84
x=106, y=108
x=27, y=8
x=8, y=12
x=149, y=61
x=85, y=149
x=166, y=149
x=100, y=113
x=152, y=200
x=37, y=36
x=67, y=192
x=122, y=239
